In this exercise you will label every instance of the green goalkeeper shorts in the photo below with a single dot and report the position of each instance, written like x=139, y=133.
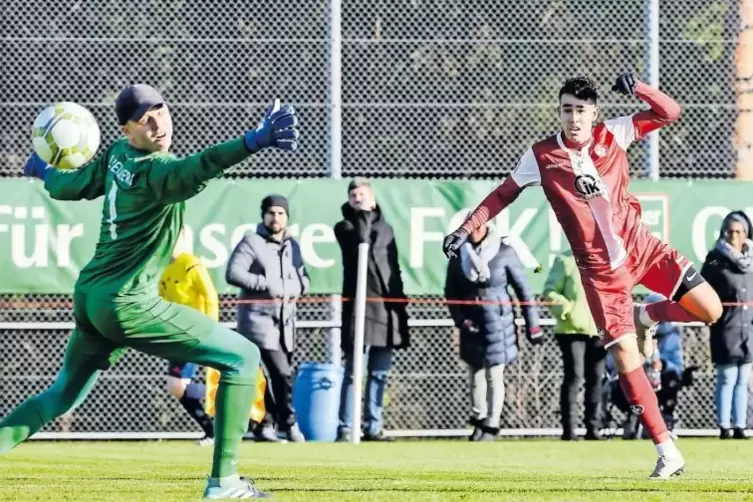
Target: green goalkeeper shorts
x=154, y=326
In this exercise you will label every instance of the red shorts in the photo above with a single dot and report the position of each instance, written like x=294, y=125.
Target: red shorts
x=610, y=295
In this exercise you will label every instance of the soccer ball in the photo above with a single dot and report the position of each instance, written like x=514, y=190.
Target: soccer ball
x=65, y=135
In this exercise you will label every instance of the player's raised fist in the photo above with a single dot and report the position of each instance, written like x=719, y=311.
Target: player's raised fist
x=452, y=242
x=278, y=129
x=625, y=84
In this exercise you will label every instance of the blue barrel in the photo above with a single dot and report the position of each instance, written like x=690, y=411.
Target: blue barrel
x=316, y=399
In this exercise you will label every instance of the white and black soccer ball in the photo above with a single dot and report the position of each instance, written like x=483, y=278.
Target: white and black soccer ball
x=65, y=135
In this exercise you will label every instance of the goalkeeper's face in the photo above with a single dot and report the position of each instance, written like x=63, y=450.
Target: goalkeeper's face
x=153, y=132
x=577, y=117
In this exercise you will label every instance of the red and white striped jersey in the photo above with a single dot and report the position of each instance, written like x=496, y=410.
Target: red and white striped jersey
x=587, y=189
x=587, y=186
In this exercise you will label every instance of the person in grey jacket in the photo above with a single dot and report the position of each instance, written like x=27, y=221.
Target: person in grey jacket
x=268, y=268
x=729, y=270
x=483, y=271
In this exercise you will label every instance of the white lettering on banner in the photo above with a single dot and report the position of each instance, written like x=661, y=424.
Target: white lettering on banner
x=514, y=232
x=39, y=255
x=46, y=237
x=318, y=233
x=63, y=238
x=40, y=243
x=419, y=236
x=213, y=244
x=212, y=238
x=701, y=234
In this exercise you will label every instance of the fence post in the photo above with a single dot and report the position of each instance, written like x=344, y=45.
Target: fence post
x=652, y=6
x=334, y=111
x=360, y=319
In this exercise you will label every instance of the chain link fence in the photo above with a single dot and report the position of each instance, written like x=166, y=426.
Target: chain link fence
x=429, y=89
x=428, y=386
x=450, y=89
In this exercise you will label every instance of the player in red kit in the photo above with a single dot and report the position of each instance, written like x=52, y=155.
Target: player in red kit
x=584, y=173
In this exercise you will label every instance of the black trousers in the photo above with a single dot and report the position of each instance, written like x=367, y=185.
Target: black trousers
x=278, y=398
x=583, y=359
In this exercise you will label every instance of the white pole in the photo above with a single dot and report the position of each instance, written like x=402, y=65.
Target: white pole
x=360, y=321
x=335, y=89
x=335, y=147
x=653, y=75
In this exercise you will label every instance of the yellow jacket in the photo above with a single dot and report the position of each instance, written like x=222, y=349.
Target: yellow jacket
x=564, y=288
x=187, y=282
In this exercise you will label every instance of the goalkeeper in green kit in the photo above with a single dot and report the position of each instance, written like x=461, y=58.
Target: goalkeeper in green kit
x=116, y=304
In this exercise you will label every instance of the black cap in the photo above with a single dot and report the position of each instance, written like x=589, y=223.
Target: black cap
x=135, y=100
x=274, y=201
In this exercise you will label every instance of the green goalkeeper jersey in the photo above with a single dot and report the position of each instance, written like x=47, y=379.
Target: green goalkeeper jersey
x=142, y=213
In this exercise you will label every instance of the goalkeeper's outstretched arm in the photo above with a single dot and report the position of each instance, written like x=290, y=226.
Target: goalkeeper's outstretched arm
x=173, y=179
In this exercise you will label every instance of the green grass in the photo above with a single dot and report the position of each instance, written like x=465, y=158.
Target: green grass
x=410, y=470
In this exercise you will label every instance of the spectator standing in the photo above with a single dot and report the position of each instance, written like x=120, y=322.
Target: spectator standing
x=268, y=268
x=386, y=325
x=483, y=270
x=729, y=270
x=583, y=357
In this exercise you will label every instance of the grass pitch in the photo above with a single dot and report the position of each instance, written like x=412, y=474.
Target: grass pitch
x=408, y=470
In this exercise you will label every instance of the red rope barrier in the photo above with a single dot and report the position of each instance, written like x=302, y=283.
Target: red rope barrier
x=19, y=304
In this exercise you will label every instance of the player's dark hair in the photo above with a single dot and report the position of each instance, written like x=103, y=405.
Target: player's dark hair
x=581, y=87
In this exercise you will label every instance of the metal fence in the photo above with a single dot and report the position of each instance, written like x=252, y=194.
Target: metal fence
x=450, y=89
x=429, y=89
x=428, y=387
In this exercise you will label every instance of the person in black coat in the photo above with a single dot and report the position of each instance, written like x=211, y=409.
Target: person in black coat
x=386, y=323
x=729, y=270
x=483, y=270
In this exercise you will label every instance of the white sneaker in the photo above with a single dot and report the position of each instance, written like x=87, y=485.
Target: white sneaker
x=668, y=466
x=645, y=335
x=206, y=441
x=241, y=488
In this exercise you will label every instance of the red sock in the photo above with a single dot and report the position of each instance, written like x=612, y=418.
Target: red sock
x=668, y=310
x=642, y=399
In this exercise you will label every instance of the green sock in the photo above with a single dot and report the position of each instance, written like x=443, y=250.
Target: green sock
x=31, y=415
x=235, y=397
x=21, y=423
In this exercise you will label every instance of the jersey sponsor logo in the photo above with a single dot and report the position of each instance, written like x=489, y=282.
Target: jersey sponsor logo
x=555, y=165
x=119, y=171
x=588, y=186
x=601, y=150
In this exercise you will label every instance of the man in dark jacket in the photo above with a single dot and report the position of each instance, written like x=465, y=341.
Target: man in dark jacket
x=386, y=325
x=268, y=268
x=729, y=270
x=483, y=270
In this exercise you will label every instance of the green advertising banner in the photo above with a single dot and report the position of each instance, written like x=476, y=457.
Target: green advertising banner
x=44, y=243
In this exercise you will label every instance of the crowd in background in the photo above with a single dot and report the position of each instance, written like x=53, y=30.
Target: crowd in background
x=268, y=269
